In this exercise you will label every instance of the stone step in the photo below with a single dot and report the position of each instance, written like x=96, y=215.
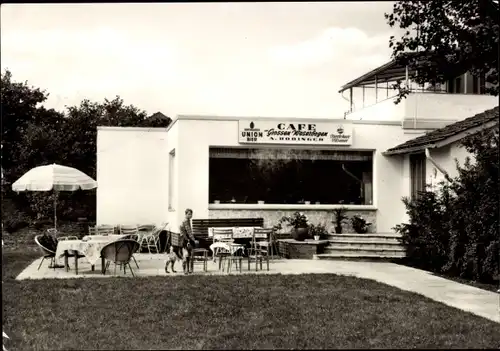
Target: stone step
x=368, y=244
x=349, y=251
x=358, y=257
x=376, y=238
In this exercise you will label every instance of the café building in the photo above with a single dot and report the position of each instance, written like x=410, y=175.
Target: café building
x=226, y=167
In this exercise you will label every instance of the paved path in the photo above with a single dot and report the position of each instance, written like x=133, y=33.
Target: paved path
x=478, y=301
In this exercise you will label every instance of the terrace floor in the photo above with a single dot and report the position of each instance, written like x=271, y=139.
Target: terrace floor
x=477, y=301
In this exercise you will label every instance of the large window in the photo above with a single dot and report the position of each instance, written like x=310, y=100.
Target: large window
x=288, y=176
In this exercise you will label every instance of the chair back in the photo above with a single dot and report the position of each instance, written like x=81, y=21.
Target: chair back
x=128, y=229
x=52, y=231
x=120, y=251
x=223, y=234
x=261, y=234
x=43, y=248
x=158, y=229
x=146, y=227
x=105, y=229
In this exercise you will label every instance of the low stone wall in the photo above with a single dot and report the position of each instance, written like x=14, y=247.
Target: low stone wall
x=271, y=217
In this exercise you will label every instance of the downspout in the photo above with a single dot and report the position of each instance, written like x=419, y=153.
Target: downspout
x=350, y=103
x=438, y=167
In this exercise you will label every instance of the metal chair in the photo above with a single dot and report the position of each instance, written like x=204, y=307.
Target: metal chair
x=199, y=255
x=47, y=253
x=119, y=252
x=256, y=252
x=152, y=239
x=225, y=236
x=269, y=243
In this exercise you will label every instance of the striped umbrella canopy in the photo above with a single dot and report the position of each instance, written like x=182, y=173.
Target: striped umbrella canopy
x=56, y=178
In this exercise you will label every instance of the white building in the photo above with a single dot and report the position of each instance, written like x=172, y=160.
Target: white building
x=223, y=167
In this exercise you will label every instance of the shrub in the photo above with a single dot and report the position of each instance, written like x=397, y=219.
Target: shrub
x=455, y=229
x=426, y=237
x=15, y=221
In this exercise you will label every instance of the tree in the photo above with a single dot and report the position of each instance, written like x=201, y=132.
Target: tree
x=33, y=136
x=446, y=38
x=19, y=106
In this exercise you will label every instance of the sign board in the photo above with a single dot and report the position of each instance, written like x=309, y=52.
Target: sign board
x=288, y=132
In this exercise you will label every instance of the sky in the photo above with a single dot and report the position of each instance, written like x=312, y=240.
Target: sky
x=225, y=59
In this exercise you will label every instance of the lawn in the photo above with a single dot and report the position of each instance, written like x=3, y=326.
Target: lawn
x=227, y=312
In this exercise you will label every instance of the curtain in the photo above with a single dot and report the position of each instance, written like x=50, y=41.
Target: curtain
x=285, y=154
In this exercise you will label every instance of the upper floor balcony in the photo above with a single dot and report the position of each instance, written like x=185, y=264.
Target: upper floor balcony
x=371, y=97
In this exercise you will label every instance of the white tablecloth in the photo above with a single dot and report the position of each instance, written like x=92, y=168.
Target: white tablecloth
x=91, y=248
x=110, y=237
x=233, y=248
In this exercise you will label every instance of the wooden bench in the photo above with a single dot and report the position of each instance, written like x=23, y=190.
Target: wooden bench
x=200, y=228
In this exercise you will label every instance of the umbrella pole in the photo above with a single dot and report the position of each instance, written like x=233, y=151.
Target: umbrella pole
x=55, y=210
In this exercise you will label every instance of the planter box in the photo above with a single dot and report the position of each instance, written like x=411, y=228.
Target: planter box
x=293, y=249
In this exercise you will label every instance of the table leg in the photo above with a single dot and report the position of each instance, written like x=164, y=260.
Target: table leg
x=66, y=265
x=76, y=263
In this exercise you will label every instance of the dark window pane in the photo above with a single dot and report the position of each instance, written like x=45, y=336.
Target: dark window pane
x=284, y=176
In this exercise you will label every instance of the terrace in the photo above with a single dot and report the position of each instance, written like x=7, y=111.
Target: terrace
x=371, y=97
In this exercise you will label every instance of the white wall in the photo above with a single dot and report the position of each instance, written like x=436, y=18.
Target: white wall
x=445, y=158
x=196, y=136
x=132, y=175
x=447, y=106
x=427, y=106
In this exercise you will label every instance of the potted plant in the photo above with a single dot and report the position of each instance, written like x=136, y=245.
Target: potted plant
x=340, y=217
x=299, y=223
x=317, y=231
x=359, y=224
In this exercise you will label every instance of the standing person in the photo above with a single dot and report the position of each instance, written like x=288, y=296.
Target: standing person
x=188, y=241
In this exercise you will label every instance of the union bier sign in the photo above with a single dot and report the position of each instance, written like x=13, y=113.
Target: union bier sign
x=287, y=132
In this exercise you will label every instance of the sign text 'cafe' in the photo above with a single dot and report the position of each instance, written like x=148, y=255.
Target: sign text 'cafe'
x=277, y=132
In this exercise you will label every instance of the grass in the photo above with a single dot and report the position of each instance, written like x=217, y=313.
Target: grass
x=228, y=312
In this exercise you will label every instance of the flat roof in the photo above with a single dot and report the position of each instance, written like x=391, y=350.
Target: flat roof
x=236, y=118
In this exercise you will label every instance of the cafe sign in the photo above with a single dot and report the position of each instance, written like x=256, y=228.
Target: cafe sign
x=287, y=132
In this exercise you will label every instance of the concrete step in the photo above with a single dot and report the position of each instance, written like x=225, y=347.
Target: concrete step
x=360, y=256
x=340, y=250
x=375, y=238
x=368, y=244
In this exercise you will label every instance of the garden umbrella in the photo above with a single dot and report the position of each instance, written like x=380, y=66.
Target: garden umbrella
x=54, y=177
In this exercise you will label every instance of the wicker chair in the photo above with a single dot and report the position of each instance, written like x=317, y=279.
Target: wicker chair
x=131, y=232
x=47, y=253
x=119, y=252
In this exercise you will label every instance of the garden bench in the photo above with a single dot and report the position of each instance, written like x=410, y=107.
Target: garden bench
x=200, y=227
